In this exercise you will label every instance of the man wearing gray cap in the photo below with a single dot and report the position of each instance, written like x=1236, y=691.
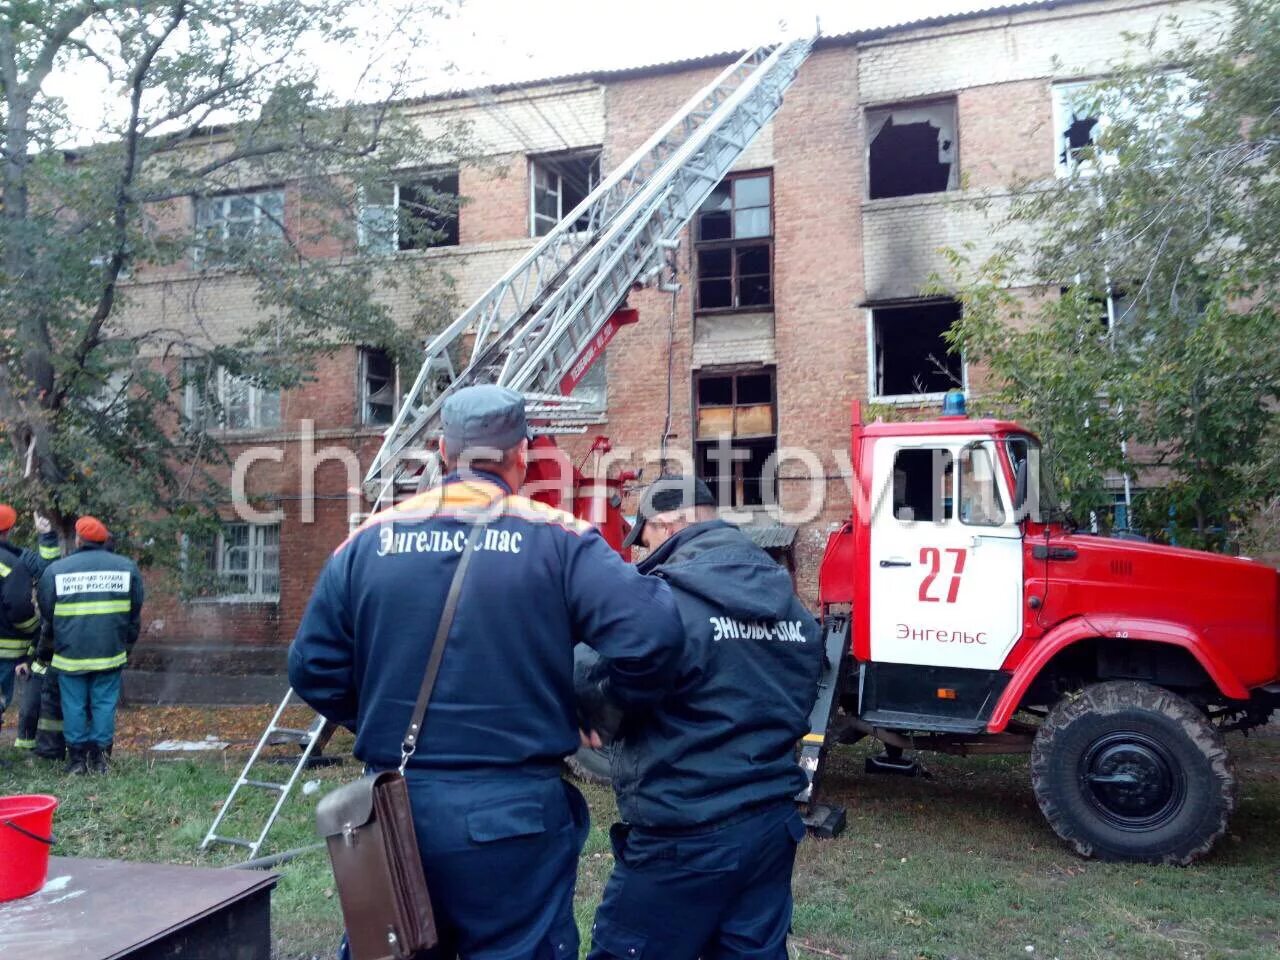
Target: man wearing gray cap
x=499, y=830
x=705, y=778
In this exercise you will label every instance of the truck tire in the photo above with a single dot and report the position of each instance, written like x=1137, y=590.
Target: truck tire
x=590, y=766
x=1129, y=771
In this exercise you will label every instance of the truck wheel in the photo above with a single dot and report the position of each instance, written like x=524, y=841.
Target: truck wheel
x=590, y=766
x=1129, y=771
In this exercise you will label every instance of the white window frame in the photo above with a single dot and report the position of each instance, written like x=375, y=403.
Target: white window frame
x=222, y=384
x=362, y=387
x=901, y=399
x=1061, y=94
x=536, y=163
x=364, y=239
x=258, y=572
x=267, y=224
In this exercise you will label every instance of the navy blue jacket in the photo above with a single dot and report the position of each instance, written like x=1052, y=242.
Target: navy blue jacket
x=724, y=740
x=541, y=582
x=91, y=603
x=20, y=570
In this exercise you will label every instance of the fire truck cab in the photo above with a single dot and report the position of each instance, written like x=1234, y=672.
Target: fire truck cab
x=973, y=618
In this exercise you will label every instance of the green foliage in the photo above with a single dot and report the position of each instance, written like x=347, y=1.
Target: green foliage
x=1176, y=212
x=210, y=97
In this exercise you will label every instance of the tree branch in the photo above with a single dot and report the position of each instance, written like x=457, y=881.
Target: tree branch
x=128, y=174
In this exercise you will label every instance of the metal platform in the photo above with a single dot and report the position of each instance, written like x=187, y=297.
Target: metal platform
x=108, y=909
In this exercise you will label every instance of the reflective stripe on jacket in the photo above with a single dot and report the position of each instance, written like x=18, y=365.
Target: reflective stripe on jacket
x=91, y=602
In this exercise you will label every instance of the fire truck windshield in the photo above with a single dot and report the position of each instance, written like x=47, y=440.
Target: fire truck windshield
x=1034, y=495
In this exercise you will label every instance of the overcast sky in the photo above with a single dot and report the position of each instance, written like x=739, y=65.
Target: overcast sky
x=487, y=42
x=497, y=40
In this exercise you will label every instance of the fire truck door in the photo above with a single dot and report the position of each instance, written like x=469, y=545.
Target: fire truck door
x=946, y=555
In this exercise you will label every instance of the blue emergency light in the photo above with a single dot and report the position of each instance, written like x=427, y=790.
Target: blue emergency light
x=953, y=404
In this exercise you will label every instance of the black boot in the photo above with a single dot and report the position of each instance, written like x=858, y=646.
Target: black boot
x=77, y=760
x=99, y=758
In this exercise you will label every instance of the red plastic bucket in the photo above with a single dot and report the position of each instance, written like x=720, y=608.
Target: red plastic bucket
x=26, y=834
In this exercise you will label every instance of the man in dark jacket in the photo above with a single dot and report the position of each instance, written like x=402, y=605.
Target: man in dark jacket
x=498, y=829
x=20, y=568
x=91, y=604
x=706, y=778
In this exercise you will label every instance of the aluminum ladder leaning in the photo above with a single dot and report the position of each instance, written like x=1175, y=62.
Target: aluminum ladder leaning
x=307, y=738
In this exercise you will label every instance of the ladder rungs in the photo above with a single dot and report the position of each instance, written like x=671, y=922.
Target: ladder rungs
x=234, y=841
x=265, y=785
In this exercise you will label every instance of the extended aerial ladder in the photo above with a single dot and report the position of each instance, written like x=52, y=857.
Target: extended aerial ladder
x=543, y=323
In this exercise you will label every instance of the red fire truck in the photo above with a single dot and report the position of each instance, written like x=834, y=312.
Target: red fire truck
x=965, y=613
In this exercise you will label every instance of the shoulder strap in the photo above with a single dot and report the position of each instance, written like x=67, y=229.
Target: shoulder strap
x=410, y=742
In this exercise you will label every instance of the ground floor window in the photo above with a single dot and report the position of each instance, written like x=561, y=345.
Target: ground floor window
x=240, y=561
x=736, y=431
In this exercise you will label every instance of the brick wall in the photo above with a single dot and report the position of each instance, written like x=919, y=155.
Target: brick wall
x=834, y=250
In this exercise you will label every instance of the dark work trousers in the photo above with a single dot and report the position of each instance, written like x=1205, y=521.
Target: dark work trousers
x=500, y=853
x=722, y=893
x=50, y=744
x=29, y=714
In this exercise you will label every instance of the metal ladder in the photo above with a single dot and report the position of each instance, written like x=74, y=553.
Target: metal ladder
x=542, y=316
x=545, y=313
x=272, y=736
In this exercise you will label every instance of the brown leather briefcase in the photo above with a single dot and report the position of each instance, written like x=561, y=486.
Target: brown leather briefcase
x=368, y=827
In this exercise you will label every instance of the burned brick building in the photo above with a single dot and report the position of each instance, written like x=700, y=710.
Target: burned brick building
x=801, y=281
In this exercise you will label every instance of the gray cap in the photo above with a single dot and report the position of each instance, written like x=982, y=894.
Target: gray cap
x=484, y=418
x=666, y=494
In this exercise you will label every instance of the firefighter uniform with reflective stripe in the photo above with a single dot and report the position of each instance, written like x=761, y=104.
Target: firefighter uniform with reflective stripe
x=40, y=722
x=19, y=620
x=91, y=603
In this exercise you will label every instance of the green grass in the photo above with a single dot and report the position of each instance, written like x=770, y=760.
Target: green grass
x=956, y=866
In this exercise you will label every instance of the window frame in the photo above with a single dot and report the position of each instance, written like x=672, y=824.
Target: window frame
x=732, y=244
x=409, y=179
x=1060, y=96
x=595, y=405
x=594, y=154
x=954, y=181
x=362, y=386
x=873, y=379
x=946, y=501
x=257, y=572
x=194, y=410
x=262, y=215
x=735, y=442
x=994, y=465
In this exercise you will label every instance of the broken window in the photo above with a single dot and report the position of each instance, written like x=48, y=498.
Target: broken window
x=1082, y=113
x=377, y=387
x=736, y=433
x=734, y=240
x=922, y=478
x=912, y=150
x=557, y=185
x=411, y=214
x=232, y=225
x=1075, y=125
x=910, y=358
